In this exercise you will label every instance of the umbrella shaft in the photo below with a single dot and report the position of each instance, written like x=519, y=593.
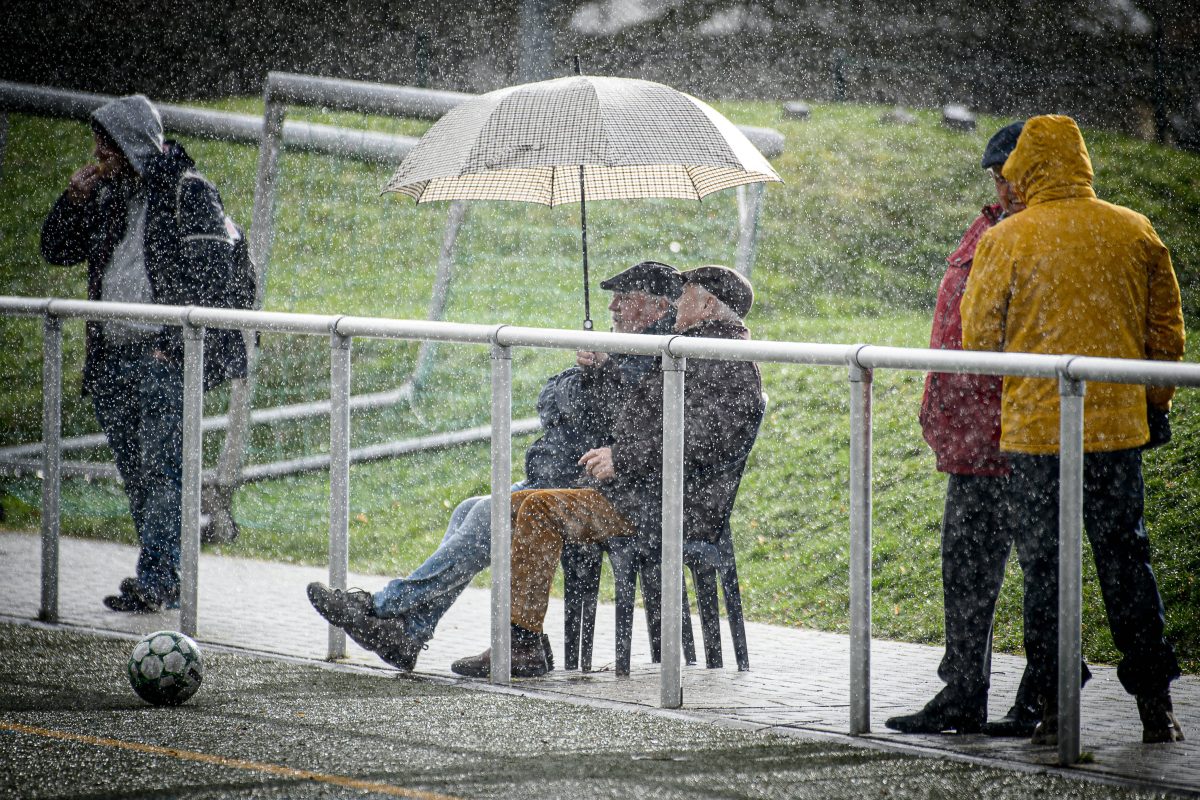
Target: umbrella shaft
x=587, y=307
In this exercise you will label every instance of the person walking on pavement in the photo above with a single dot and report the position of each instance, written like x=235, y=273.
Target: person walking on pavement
x=1073, y=274
x=152, y=230
x=576, y=408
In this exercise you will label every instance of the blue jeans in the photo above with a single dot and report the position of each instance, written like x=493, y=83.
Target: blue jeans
x=425, y=595
x=139, y=405
x=1112, y=517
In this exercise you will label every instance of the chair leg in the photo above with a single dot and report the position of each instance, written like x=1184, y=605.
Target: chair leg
x=624, y=578
x=579, y=561
x=710, y=616
x=733, y=610
x=590, y=591
x=652, y=600
x=689, y=640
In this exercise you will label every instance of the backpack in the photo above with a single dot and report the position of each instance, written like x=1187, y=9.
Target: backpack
x=241, y=281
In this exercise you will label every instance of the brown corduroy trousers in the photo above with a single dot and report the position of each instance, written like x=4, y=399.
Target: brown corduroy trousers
x=541, y=520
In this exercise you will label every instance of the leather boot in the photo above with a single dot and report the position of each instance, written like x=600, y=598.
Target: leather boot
x=528, y=658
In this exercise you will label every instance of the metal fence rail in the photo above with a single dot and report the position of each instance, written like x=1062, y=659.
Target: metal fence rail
x=860, y=361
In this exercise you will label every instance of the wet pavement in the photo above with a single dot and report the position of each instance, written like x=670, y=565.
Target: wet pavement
x=798, y=685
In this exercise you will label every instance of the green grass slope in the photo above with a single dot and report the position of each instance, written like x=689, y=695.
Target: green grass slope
x=852, y=247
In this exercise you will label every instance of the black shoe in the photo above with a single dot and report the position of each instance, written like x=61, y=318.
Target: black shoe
x=132, y=586
x=1019, y=721
x=548, y=651
x=353, y=611
x=942, y=714
x=1159, y=724
x=133, y=599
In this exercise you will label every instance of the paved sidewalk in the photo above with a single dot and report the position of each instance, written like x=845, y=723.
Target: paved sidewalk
x=798, y=683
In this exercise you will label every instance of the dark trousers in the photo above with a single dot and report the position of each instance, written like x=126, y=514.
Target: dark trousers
x=977, y=535
x=1112, y=517
x=139, y=404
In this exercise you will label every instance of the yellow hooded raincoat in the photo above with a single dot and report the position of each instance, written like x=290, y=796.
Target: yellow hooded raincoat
x=1071, y=275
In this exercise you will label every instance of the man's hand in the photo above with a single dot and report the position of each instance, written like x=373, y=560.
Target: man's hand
x=599, y=464
x=589, y=358
x=83, y=182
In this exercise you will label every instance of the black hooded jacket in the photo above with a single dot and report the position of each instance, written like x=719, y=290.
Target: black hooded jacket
x=187, y=253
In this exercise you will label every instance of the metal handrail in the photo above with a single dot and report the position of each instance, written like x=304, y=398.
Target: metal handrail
x=860, y=360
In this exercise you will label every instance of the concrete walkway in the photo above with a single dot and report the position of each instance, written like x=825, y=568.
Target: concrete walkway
x=798, y=683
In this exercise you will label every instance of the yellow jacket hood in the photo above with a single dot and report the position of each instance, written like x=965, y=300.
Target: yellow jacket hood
x=1050, y=161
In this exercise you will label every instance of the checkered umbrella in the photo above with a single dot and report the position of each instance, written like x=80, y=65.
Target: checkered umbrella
x=577, y=138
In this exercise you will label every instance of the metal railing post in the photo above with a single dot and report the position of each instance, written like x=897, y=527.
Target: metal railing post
x=860, y=550
x=501, y=666
x=339, y=476
x=51, y=463
x=193, y=414
x=1070, y=554
x=671, y=689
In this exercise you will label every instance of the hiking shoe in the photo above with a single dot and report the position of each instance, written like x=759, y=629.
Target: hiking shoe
x=352, y=610
x=942, y=714
x=1159, y=724
x=396, y=646
x=132, y=600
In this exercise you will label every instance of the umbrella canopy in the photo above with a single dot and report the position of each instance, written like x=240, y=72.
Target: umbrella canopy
x=570, y=139
x=633, y=138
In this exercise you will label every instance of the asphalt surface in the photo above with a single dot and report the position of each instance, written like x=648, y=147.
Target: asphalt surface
x=70, y=726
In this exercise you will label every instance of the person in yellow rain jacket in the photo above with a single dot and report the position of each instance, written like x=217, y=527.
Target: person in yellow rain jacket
x=1073, y=274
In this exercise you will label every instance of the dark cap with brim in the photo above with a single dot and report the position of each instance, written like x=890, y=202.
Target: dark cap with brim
x=651, y=277
x=1001, y=145
x=728, y=286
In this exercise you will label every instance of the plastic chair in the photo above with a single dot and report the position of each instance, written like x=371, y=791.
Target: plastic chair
x=633, y=556
x=630, y=557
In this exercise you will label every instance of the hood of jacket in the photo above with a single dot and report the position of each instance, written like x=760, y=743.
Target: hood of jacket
x=1050, y=161
x=135, y=125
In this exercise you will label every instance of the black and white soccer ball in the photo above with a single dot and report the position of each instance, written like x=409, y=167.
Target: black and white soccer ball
x=166, y=668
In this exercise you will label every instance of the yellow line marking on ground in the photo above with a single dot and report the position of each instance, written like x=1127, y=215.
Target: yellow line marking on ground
x=222, y=761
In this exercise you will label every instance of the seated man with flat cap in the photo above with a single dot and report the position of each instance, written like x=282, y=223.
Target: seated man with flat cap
x=622, y=495
x=577, y=409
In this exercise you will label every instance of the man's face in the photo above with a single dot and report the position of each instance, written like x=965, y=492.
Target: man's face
x=633, y=312
x=1009, y=200
x=112, y=161
x=691, y=307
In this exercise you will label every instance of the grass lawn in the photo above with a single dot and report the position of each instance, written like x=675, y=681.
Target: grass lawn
x=852, y=247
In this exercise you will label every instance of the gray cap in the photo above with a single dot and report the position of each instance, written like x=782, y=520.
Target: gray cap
x=651, y=277
x=730, y=287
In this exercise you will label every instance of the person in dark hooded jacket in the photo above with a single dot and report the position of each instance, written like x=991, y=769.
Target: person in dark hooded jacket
x=152, y=230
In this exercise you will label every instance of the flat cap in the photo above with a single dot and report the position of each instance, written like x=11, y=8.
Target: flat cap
x=730, y=287
x=651, y=277
x=1001, y=145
